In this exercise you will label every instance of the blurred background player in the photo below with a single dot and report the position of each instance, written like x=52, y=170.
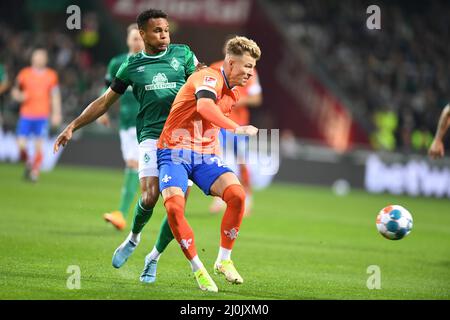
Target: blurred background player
x=36, y=88
x=250, y=96
x=199, y=110
x=437, y=147
x=129, y=108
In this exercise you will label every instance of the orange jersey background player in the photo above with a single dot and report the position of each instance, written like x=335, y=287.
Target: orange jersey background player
x=36, y=86
x=37, y=90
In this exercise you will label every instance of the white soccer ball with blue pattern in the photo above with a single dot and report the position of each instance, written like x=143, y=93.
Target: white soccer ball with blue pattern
x=394, y=222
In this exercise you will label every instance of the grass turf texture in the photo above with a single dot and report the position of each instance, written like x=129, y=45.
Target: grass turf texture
x=300, y=243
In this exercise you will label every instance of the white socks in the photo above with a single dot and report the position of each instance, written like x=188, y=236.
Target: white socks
x=134, y=237
x=196, y=263
x=154, y=255
x=224, y=254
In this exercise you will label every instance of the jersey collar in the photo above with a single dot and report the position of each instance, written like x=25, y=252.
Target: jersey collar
x=159, y=55
x=225, y=78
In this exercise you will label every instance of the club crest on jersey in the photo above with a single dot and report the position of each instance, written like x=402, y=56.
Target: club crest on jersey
x=159, y=82
x=175, y=64
x=210, y=81
x=166, y=178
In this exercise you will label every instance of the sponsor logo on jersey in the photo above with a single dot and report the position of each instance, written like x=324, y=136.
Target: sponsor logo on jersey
x=210, y=81
x=159, y=82
x=175, y=64
x=140, y=69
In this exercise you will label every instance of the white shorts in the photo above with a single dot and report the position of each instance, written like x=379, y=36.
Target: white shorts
x=129, y=144
x=148, y=164
x=148, y=160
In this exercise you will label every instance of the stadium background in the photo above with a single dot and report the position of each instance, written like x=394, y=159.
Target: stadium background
x=356, y=108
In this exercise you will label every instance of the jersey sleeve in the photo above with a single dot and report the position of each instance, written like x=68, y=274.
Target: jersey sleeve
x=190, y=61
x=207, y=84
x=121, y=80
x=54, y=82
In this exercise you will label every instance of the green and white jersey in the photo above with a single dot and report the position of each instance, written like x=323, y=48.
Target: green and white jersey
x=129, y=106
x=156, y=80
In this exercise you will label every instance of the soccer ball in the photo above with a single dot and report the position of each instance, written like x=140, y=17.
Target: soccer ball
x=394, y=222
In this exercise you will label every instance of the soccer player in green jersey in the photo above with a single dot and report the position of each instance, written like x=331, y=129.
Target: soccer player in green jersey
x=156, y=75
x=129, y=107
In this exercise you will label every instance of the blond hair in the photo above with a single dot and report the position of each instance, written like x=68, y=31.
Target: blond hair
x=240, y=45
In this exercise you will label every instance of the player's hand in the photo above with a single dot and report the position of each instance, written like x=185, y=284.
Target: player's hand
x=18, y=95
x=246, y=130
x=63, y=138
x=200, y=66
x=436, y=150
x=104, y=120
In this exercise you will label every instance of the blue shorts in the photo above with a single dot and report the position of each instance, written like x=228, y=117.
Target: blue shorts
x=28, y=126
x=178, y=165
x=234, y=145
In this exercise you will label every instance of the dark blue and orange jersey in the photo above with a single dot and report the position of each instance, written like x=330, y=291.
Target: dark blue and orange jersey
x=185, y=128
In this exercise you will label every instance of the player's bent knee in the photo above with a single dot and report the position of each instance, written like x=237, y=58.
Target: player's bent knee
x=149, y=198
x=234, y=194
x=175, y=209
x=174, y=204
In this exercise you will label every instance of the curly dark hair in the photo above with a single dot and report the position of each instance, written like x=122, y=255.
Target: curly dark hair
x=149, y=14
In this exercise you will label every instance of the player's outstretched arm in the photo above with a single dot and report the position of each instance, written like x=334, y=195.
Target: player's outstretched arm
x=437, y=147
x=210, y=111
x=94, y=110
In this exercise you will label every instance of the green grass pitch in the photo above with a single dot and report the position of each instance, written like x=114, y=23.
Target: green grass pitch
x=300, y=243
